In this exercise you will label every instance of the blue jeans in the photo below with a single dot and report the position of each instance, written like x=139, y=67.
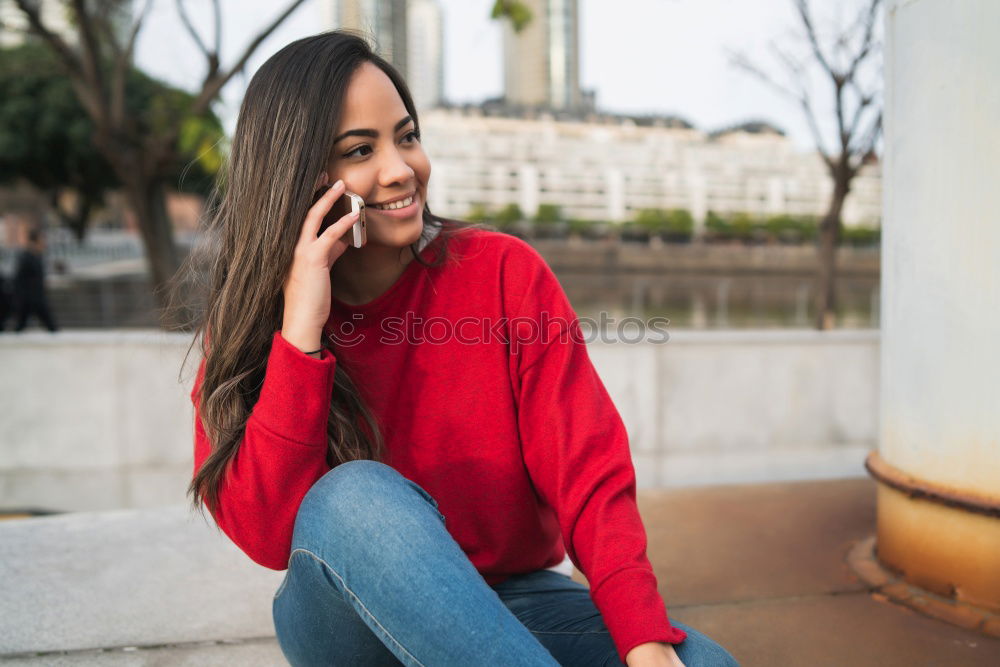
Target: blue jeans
x=375, y=578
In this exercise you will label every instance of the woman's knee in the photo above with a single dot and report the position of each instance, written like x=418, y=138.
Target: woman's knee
x=345, y=490
x=348, y=481
x=353, y=500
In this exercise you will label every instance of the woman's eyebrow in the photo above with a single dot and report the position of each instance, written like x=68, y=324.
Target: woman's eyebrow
x=372, y=133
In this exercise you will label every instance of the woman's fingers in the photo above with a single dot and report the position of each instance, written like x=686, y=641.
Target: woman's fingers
x=314, y=218
x=338, y=230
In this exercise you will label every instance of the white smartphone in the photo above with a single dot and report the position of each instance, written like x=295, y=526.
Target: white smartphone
x=346, y=203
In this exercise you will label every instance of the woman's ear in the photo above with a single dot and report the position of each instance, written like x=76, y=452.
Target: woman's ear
x=321, y=181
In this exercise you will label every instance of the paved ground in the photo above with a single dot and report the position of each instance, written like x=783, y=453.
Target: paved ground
x=761, y=568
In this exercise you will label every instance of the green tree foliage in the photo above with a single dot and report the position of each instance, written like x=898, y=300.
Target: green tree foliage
x=781, y=228
x=45, y=135
x=548, y=213
x=590, y=229
x=674, y=224
x=716, y=226
x=741, y=226
x=549, y=222
x=680, y=225
x=786, y=228
x=518, y=13
x=509, y=214
x=477, y=213
x=861, y=236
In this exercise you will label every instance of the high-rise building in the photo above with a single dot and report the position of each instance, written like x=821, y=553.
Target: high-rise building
x=426, y=53
x=542, y=62
x=384, y=22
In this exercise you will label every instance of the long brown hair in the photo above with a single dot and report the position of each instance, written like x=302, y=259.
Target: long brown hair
x=283, y=138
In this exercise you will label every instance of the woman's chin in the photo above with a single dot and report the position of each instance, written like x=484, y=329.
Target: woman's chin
x=397, y=236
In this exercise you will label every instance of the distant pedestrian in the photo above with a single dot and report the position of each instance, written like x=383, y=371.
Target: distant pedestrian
x=29, y=284
x=6, y=300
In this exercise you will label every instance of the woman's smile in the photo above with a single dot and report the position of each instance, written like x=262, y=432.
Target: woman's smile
x=401, y=213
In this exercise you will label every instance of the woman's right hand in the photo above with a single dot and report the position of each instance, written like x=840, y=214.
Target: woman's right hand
x=307, y=286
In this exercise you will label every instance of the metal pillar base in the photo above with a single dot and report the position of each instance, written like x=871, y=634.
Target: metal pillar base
x=886, y=585
x=941, y=540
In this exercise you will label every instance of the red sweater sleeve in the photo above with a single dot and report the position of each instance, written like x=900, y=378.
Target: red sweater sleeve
x=281, y=455
x=576, y=450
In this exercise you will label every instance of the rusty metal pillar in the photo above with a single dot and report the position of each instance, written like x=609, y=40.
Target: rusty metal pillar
x=938, y=462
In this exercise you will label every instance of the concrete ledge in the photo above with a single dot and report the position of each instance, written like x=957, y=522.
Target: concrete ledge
x=103, y=419
x=263, y=652
x=121, y=578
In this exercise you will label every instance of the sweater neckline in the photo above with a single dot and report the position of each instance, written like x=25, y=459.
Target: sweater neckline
x=405, y=277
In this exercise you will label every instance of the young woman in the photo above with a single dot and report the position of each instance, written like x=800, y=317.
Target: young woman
x=413, y=428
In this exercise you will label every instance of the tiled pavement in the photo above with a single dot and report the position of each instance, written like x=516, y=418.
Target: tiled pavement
x=761, y=568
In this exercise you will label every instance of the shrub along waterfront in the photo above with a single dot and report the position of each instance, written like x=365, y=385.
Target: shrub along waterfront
x=670, y=226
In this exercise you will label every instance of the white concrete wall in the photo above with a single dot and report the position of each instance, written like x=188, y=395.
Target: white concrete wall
x=941, y=249
x=99, y=420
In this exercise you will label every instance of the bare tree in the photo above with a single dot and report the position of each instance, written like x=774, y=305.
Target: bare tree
x=98, y=67
x=856, y=112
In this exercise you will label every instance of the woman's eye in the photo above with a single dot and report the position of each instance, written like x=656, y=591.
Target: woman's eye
x=351, y=153
x=414, y=133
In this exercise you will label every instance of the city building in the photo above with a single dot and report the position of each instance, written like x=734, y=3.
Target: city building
x=607, y=167
x=425, y=59
x=384, y=23
x=541, y=64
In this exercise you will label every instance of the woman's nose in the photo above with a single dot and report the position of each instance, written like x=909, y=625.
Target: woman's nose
x=396, y=168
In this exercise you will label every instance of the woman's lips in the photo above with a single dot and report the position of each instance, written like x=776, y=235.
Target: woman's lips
x=404, y=212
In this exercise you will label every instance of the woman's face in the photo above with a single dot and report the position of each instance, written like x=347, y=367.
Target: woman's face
x=383, y=167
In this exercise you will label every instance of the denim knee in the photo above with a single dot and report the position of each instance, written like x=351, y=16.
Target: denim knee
x=350, y=501
x=700, y=650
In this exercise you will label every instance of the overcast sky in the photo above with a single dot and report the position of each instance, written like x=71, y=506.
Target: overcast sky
x=644, y=56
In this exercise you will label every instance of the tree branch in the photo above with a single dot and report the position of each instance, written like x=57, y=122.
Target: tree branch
x=864, y=101
x=161, y=144
x=103, y=26
x=214, y=82
x=867, y=42
x=867, y=145
x=800, y=95
x=838, y=96
x=123, y=63
x=741, y=61
x=803, y=7
x=814, y=129
x=88, y=94
x=186, y=20
x=91, y=53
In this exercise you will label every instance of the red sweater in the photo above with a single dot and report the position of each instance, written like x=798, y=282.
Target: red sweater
x=511, y=431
